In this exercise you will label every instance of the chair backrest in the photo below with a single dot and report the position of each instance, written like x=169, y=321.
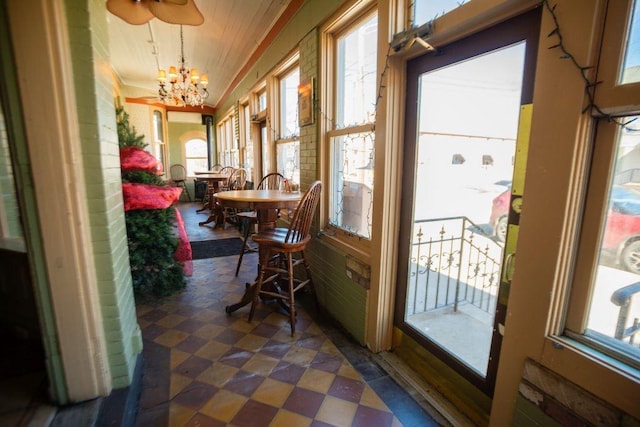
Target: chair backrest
x=301, y=223
x=237, y=179
x=177, y=172
x=273, y=181
x=227, y=170
x=216, y=168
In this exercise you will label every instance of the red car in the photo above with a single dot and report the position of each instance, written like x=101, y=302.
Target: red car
x=622, y=230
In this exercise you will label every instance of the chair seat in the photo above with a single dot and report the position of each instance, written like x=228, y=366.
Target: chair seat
x=276, y=238
x=250, y=215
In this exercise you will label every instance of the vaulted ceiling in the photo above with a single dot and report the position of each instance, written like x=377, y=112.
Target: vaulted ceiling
x=221, y=46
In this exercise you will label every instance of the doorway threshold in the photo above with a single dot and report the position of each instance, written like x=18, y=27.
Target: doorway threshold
x=421, y=391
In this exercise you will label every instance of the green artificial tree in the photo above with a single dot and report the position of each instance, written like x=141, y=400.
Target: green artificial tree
x=150, y=232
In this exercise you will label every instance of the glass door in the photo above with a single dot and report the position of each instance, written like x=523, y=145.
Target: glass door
x=465, y=150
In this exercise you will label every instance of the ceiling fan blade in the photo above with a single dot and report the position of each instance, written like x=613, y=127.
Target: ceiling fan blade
x=135, y=12
x=173, y=13
x=180, y=2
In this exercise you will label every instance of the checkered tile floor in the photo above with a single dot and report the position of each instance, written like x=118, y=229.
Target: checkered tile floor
x=206, y=368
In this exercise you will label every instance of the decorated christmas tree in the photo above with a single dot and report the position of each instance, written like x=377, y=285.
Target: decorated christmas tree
x=150, y=217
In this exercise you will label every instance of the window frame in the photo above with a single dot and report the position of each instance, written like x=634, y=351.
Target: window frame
x=348, y=18
x=564, y=350
x=191, y=174
x=283, y=72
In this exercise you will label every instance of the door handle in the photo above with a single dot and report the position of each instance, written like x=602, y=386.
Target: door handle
x=508, y=267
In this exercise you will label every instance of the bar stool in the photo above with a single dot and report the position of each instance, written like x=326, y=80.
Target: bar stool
x=277, y=247
x=271, y=181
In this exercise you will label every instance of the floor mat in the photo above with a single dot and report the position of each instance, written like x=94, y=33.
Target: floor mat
x=216, y=248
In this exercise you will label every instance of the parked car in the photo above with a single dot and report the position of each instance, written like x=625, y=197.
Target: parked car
x=499, y=214
x=621, y=234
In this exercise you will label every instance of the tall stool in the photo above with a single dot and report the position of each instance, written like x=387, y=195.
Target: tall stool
x=271, y=181
x=277, y=247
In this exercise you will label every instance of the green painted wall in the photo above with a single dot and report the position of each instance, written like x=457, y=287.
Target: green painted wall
x=343, y=298
x=88, y=34
x=8, y=200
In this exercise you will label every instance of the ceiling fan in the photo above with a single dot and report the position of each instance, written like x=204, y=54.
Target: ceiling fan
x=138, y=12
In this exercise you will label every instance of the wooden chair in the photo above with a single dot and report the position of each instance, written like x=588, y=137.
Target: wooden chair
x=272, y=181
x=237, y=181
x=281, y=244
x=178, y=175
x=227, y=170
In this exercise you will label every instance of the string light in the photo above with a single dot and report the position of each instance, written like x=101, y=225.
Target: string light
x=589, y=85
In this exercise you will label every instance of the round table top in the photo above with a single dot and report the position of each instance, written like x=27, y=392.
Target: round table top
x=211, y=175
x=259, y=196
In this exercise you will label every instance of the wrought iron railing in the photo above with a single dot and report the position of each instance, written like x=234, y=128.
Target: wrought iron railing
x=626, y=328
x=453, y=261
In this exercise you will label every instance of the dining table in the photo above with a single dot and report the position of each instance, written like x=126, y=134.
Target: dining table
x=266, y=203
x=213, y=180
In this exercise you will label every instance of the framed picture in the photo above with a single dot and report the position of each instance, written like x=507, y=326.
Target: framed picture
x=305, y=102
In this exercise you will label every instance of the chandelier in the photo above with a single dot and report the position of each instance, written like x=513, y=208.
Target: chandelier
x=182, y=86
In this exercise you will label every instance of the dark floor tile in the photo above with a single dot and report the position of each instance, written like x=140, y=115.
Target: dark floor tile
x=244, y=383
x=195, y=395
x=401, y=403
x=200, y=420
x=236, y=357
x=371, y=417
x=327, y=362
x=369, y=370
x=190, y=325
x=193, y=366
x=287, y=372
x=317, y=423
x=312, y=342
x=229, y=336
x=153, y=331
x=265, y=330
x=355, y=354
x=254, y=414
x=157, y=415
x=304, y=402
x=346, y=389
x=191, y=344
x=275, y=349
x=154, y=315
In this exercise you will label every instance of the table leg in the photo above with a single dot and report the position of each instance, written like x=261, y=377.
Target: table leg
x=266, y=220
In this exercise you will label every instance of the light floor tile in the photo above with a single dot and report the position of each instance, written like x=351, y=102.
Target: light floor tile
x=336, y=412
x=316, y=380
x=224, y=405
x=272, y=392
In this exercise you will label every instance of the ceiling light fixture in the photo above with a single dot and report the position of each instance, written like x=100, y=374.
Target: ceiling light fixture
x=182, y=86
x=138, y=12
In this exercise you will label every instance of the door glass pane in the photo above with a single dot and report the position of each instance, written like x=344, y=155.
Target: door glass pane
x=467, y=126
x=614, y=311
x=631, y=68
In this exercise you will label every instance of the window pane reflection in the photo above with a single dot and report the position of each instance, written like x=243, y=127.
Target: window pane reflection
x=631, y=67
x=426, y=10
x=615, y=300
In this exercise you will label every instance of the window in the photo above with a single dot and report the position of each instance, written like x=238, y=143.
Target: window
x=604, y=306
x=288, y=143
x=228, y=131
x=353, y=49
x=195, y=155
x=247, y=159
x=159, y=145
x=422, y=11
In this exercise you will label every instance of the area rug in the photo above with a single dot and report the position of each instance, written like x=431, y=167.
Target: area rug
x=216, y=248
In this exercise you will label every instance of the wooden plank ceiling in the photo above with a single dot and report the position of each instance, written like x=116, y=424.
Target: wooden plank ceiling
x=221, y=46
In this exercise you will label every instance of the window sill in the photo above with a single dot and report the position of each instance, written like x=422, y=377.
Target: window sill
x=331, y=238
x=599, y=374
